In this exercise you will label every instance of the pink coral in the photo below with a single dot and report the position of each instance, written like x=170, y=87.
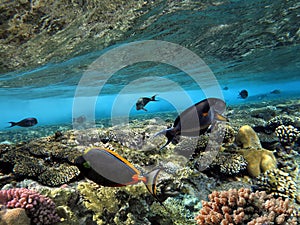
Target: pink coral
x=242, y=206
x=40, y=209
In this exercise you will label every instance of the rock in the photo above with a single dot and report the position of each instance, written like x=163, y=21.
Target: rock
x=16, y=216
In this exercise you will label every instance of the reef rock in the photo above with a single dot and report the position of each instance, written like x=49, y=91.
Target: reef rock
x=15, y=216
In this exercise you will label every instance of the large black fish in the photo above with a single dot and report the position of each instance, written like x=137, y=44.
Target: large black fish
x=28, y=122
x=196, y=119
x=107, y=168
x=142, y=102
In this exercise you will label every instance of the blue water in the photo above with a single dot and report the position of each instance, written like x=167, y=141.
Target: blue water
x=47, y=92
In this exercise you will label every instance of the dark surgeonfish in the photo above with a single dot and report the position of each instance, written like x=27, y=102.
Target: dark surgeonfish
x=243, y=94
x=196, y=119
x=28, y=122
x=142, y=102
x=107, y=168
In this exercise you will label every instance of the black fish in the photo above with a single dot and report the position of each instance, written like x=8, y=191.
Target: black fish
x=276, y=92
x=243, y=94
x=142, y=102
x=196, y=119
x=80, y=119
x=28, y=122
x=107, y=168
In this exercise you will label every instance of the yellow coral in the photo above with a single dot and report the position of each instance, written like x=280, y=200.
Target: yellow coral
x=258, y=161
x=247, y=138
x=97, y=198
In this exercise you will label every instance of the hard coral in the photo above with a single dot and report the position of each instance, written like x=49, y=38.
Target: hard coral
x=247, y=138
x=229, y=164
x=40, y=209
x=287, y=136
x=258, y=161
x=245, y=207
x=278, y=183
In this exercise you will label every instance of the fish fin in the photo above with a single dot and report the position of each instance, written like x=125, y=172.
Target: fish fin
x=153, y=98
x=168, y=142
x=144, y=109
x=151, y=180
x=160, y=133
x=168, y=134
x=12, y=124
x=219, y=117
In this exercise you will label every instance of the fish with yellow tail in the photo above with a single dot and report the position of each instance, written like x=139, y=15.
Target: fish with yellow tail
x=107, y=168
x=195, y=120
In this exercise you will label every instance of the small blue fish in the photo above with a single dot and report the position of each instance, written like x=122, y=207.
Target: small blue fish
x=28, y=122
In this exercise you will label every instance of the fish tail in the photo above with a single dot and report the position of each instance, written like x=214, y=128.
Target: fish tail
x=150, y=183
x=12, y=124
x=153, y=98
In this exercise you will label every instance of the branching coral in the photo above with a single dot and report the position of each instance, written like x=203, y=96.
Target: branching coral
x=229, y=164
x=40, y=209
x=277, y=182
x=287, y=136
x=245, y=207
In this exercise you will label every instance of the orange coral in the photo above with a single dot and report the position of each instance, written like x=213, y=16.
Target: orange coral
x=242, y=206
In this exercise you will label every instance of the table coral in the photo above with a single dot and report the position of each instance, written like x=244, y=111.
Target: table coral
x=245, y=207
x=40, y=209
x=45, y=160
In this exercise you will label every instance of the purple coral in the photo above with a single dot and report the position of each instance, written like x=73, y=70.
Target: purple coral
x=242, y=206
x=40, y=209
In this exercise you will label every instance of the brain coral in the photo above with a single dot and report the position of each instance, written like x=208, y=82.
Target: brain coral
x=245, y=207
x=40, y=209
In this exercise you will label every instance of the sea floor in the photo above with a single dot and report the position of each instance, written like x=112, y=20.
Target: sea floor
x=257, y=156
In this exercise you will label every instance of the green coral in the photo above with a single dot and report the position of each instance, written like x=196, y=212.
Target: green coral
x=175, y=212
x=98, y=199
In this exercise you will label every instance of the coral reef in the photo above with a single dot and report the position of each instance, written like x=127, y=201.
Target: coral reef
x=278, y=121
x=40, y=209
x=245, y=207
x=258, y=161
x=16, y=216
x=278, y=183
x=48, y=160
x=287, y=136
x=247, y=138
x=229, y=163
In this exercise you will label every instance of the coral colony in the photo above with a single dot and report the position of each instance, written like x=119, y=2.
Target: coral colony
x=245, y=207
x=40, y=209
